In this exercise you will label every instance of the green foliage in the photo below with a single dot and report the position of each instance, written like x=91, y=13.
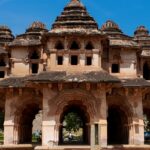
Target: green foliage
x=73, y=122
x=146, y=123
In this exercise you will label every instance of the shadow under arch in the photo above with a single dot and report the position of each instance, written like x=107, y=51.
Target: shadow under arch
x=119, y=119
x=24, y=118
x=83, y=135
x=118, y=129
x=60, y=101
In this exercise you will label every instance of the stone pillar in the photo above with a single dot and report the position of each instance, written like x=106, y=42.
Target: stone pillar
x=10, y=127
x=96, y=59
x=103, y=133
x=48, y=123
x=136, y=132
x=92, y=136
x=53, y=60
x=66, y=60
x=82, y=60
x=48, y=135
x=103, y=118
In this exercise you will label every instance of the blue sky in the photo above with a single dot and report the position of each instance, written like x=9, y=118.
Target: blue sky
x=128, y=14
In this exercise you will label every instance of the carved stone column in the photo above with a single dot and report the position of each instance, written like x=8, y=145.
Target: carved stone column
x=10, y=126
x=92, y=136
x=100, y=95
x=96, y=58
x=66, y=60
x=48, y=123
x=136, y=132
x=103, y=119
x=82, y=59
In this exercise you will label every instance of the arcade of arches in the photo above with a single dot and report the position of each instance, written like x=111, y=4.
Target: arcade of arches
x=107, y=117
x=90, y=85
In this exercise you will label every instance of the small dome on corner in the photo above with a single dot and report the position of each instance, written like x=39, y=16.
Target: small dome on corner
x=4, y=27
x=141, y=31
x=110, y=26
x=37, y=26
x=5, y=34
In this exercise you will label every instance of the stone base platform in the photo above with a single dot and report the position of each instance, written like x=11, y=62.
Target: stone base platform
x=31, y=147
x=64, y=148
x=127, y=147
x=17, y=147
x=123, y=147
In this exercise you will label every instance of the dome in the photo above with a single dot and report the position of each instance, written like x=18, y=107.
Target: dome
x=75, y=15
x=3, y=27
x=5, y=34
x=37, y=26
x=111, y=26
x=141, y=31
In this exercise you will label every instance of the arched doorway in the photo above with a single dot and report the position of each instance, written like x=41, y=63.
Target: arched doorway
x=26, y=132
x=118, y=131
x=146, y=71
x=74, y=129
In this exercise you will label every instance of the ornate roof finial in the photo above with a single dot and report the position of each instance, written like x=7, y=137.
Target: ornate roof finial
x=75, y=3
x=141, y=31
x=75, y=0
x=111, y=26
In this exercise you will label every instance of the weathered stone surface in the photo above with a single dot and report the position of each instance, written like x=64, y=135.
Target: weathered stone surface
x=75, y=16
x=98, y=73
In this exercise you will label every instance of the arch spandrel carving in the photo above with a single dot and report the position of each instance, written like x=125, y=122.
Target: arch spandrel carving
x=125, y=107
x=120, y=99
x=63, y=99
x=28, y=97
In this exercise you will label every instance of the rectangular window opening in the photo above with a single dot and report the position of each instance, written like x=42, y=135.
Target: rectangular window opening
x=35, y=68
x=88, y=61
x=59, y=60
x=74, y=60
x=115, y=68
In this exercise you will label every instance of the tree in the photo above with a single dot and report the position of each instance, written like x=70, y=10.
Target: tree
x=73, y=122
x=146, y=123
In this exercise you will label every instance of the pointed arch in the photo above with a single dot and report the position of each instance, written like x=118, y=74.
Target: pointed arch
x=74, y=45
x=59, y=45
x=34, y=55
x=89, y=46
